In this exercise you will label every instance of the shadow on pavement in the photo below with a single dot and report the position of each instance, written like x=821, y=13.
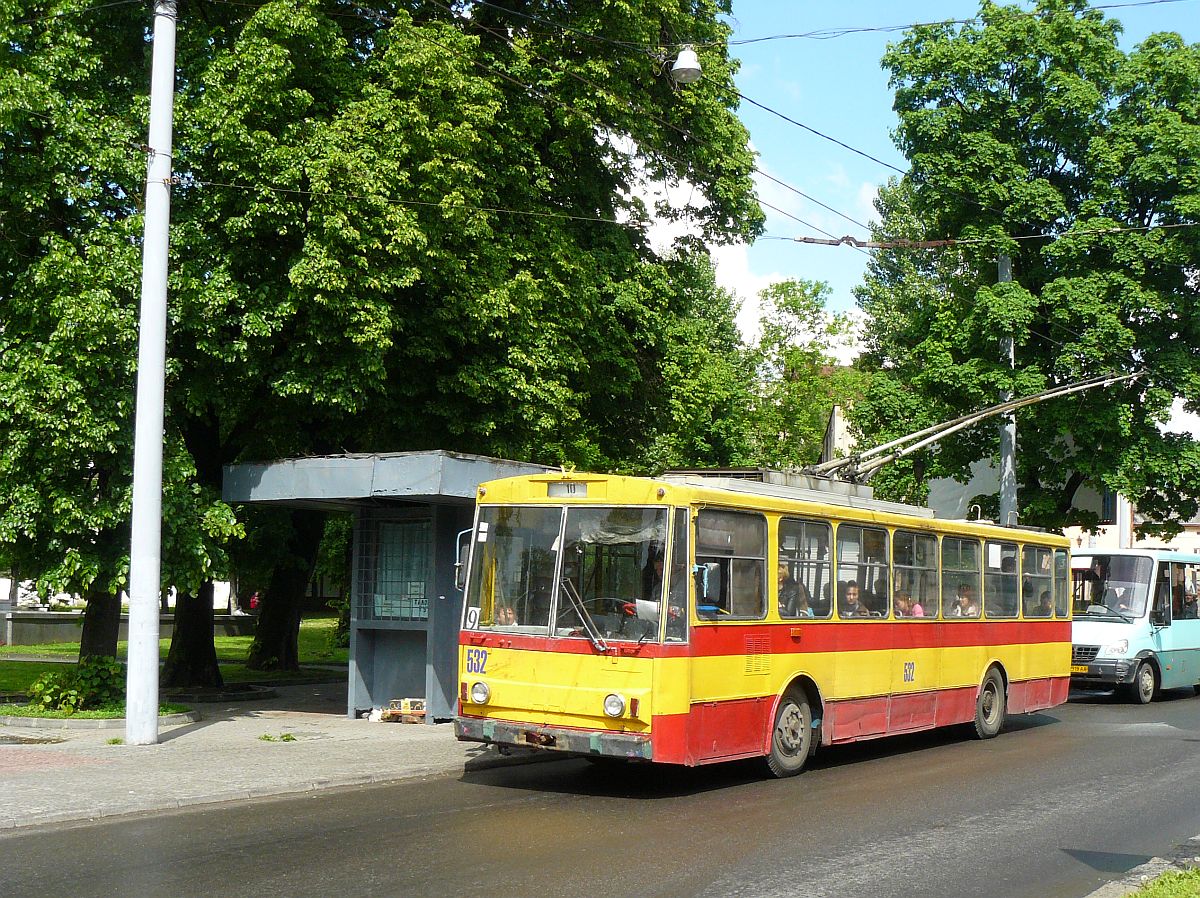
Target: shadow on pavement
x=1107, y=861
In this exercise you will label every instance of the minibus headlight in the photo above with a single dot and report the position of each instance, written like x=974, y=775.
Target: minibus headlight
x=480, y=693
x=614, y=704
x=1118, y=648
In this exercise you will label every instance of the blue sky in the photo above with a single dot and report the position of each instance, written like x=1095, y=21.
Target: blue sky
x=837, y=86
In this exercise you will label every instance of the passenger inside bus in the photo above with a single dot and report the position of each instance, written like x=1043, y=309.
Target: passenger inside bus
x=850, y=604
x=906, y=606
x=964, y=602
x=793, y=596
x=1045, y=607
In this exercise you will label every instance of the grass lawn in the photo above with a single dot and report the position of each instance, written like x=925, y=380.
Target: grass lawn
x=100, y=714
x=315, y=646
x=1185, y=884
x=15, y=676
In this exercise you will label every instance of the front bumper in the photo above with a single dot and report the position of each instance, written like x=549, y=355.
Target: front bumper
x=564, y=739
x=1104, y=673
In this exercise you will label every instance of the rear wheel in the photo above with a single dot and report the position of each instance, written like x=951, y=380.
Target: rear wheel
x=792, y=736
x=990, y=706
x=1145, y=684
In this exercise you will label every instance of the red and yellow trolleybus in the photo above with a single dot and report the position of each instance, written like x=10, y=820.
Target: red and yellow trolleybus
x=692, y=619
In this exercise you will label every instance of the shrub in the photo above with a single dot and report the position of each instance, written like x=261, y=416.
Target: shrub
x=95, y=682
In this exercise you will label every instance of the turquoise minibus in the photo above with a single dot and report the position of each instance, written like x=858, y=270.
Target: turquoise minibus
x=1136, y=628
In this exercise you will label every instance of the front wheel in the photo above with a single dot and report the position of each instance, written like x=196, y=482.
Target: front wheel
x=1145, y=684
x=990, y=706
x=792, y=736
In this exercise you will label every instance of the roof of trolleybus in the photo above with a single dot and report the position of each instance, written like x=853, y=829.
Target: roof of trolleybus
x=820, y=498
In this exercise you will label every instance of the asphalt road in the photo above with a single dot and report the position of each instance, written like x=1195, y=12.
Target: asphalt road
x=1057, y=805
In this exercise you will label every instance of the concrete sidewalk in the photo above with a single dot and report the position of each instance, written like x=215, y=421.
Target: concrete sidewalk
x=52, y=774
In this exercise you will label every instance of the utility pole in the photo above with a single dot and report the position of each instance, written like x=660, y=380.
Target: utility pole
x=1008, y=425
x=145, y=555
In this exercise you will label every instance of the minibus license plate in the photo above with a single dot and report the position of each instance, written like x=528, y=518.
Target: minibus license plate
x=1079, y=668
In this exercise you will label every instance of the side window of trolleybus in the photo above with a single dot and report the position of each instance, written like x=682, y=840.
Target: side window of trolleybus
x=1062, y=583
x=862, y=571
x=915, y=564
x=1001, y=580
x=960, y=577
x=803, y=573
x=731, y=555
x=1037, y=593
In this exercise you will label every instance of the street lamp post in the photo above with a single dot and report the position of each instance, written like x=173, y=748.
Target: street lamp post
x=145, y=554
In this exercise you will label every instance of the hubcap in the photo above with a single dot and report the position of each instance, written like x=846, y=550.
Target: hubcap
x=989, y=701
x=790, y=729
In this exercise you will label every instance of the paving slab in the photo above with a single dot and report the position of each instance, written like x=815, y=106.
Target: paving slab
x=297, y=741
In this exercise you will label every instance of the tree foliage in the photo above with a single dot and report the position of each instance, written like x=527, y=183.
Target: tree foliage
x=798, y=377
x=397, y=226
x=1033, y=134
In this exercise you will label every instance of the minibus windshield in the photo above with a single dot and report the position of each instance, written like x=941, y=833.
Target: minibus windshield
x=1111, y=586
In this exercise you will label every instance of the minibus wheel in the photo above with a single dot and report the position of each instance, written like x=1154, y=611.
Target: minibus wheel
x=1144, y=685
x=792, y=735
x=990, y=706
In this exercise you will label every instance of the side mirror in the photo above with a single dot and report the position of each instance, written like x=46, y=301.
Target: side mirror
x=460, y=566
x=1158, y=617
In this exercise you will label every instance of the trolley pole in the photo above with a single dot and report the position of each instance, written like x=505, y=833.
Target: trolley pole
x=1008, y=425
x=145, y=556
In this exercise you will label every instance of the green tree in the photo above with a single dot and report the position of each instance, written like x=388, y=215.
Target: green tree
x=395, y=228
x=798, y=377
x=1032, y=134
x=69, y=262
x=383, y=150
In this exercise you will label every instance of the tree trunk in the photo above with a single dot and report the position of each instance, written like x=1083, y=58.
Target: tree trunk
x=278, y=630
x=192, y=659
x=101, y=624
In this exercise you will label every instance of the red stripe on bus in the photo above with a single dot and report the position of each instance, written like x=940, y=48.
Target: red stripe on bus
x=708, y=640
x=715, y=640
x=722, y=731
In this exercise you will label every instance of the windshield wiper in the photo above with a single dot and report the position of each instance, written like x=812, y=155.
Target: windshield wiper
x=589, y=626
x=1128, y=620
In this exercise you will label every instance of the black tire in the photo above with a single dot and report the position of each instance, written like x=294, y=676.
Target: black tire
x=991, y=705
x=1145, y=684
x=792, y=735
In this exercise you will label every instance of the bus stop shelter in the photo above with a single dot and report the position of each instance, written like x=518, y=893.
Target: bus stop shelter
x=409, y=508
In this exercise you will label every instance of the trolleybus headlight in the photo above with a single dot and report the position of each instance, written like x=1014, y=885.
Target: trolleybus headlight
x=480, y=693
x=1118, y=648
x=614, y=704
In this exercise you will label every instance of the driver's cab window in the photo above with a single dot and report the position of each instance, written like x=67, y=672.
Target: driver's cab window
x=730, y=571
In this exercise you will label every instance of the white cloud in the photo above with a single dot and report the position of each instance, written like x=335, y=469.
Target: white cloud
x=734, y=275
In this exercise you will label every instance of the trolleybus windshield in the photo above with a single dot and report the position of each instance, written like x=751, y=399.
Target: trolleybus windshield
x=578, y=572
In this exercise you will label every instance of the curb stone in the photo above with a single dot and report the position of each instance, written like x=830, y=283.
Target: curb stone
x=1184, y=857
x=92, y=723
